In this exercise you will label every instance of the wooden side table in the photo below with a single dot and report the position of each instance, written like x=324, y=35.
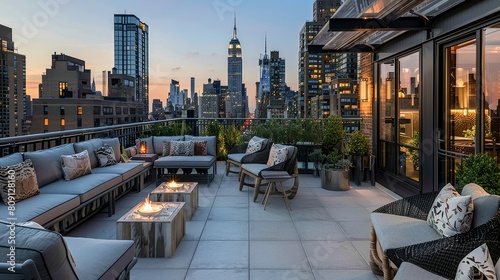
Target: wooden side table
x=273, y=177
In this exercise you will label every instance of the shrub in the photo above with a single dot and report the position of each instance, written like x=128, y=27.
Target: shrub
x=481, y=169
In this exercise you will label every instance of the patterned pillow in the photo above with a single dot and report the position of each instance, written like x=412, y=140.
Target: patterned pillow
x=166, y=148
x=20, y=179
x=200, y=148
x=254, y=146
x=76, y=165
x=182, y=148
x=451, y=213
x=277, y=155
x=105, y=155
x=476, y=265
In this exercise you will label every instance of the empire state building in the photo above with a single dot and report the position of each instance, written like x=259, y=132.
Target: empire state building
x=234, y=99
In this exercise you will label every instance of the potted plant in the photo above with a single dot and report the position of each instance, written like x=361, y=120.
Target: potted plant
x=481, y=169
x=414, y=153
x=334, y=167
x=359, y=146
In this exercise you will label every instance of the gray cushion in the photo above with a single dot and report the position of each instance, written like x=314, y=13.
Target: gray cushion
x=395, y=231
x=87, y=187
x=46, y=248
x=42, y=208
x=11, y=159
x=236, y=157
x=112, y=258
x=131, y=151
x=474, y=190
x=290, y=149
x=409, y=271
x=90, y=146
x=485, y=207
x=47, y=163
x=115, y=144
x=149, y=144
x=254, y=168
x=185, y=162
x=211, y=143
x=126, y=170
x=158, y=142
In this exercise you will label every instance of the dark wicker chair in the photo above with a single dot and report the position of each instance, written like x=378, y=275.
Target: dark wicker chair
x=443, y=259
x=253, y=170
x=440, y=256
x=236, y=156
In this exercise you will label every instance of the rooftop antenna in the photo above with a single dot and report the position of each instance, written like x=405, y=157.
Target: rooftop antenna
x=265, y=42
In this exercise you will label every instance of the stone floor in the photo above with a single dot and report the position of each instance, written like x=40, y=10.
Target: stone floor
x=325, y=236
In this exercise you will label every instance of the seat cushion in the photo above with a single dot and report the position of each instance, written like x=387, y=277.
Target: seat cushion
x=485, y=207
x=254, y=168
x=395, y=231
x=236, y=157
x=87, y=187
x=126, y=170
x=112, y=259
x=409, y=271
x=185, y=162
x=11, y=159
x=46, y=248
x=47, y=163
x=42, y=208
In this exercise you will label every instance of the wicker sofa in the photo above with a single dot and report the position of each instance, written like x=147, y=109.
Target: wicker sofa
x=62, y=204
x=238, y=156
x=400, y=233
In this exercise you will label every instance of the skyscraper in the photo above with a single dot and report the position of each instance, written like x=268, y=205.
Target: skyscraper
x=277, y=75
x=12, y=86
x=264, y=84
x=132, y=54
x=234, y=101
x=192, y=88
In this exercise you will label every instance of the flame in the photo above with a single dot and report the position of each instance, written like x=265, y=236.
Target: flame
x=146, y=207
x=172, y=184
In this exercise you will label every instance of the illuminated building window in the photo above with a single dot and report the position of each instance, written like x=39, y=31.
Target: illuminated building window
x=79, y=110
x=63, y=86
x=46, y=121
x=63, y=122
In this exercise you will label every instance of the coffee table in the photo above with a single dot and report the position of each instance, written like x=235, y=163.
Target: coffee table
x=187, y=193
x=155, y=235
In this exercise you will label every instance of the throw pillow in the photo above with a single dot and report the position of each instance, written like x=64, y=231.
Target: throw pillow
x=105, y=155
x=18, y=182
x=277, y=155
x=476, y=265
x=451, y=213
x=76, y=165
x=254, y=146
x=166, y=148
x=200, y=148
x=182, y=148
x=124, y=157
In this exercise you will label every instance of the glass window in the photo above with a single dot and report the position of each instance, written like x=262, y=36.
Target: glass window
x=46, y=121
x=491, y=89
x=63, y=122
x=63, y=87
x=79, y=110
x=97, y=110
x=45, y=109
x=61, y=110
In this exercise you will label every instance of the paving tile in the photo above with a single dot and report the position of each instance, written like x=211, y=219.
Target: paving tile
x=272, y=230
x=320, y=230
x=257, y=274
x=217, y=274
x=193, y=230
x=157, y=273
x=344, y=275
x=201, y=214
x=221, y=255
x=95, y=229
x=363, y=247
x=277, y=255
x=225, y=230
x=357, y=229
x=229, y=214
x=349, y=213
x=231, y=201
x=273, y=212
x=311, y=214
x=333, y=255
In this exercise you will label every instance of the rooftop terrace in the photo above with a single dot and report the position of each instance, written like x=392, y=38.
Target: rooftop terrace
x=325, y=236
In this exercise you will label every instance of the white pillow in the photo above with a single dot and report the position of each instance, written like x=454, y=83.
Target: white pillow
x=254, y=146
x=451, y=213
x=277, y=155
x=476, y=264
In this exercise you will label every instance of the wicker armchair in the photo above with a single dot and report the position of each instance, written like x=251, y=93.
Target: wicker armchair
x=253, y=170
x=440, y=256
x=442, y=261
x=237, y=156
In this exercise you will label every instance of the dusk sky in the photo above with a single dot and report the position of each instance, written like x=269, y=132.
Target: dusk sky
x=187, y=38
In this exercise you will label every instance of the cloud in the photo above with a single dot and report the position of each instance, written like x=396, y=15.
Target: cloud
x=192, y=54
x=176, y=68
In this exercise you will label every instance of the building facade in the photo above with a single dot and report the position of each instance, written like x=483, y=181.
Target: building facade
x=121, y=86
x=277, y=72
x=234, y=102
x=12, y=87
x=131, y=40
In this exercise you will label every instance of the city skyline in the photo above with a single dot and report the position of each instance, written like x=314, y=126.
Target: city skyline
x=186, y=39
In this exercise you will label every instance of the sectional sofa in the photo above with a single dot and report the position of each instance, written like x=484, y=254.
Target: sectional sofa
x=203, y=160
x=61, y=204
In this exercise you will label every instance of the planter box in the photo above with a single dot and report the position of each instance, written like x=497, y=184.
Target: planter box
x=335, y=180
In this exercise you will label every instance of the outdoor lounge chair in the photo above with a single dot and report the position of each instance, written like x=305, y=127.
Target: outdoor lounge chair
x=253, y=170
x=237, y=155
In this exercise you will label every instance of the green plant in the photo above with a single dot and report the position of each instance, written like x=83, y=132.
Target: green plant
x=481, y=169
x=359, y=144
x=233, y=137
x=414, y=153
x=470, y=133
x=217, y=130
x=333, y=133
